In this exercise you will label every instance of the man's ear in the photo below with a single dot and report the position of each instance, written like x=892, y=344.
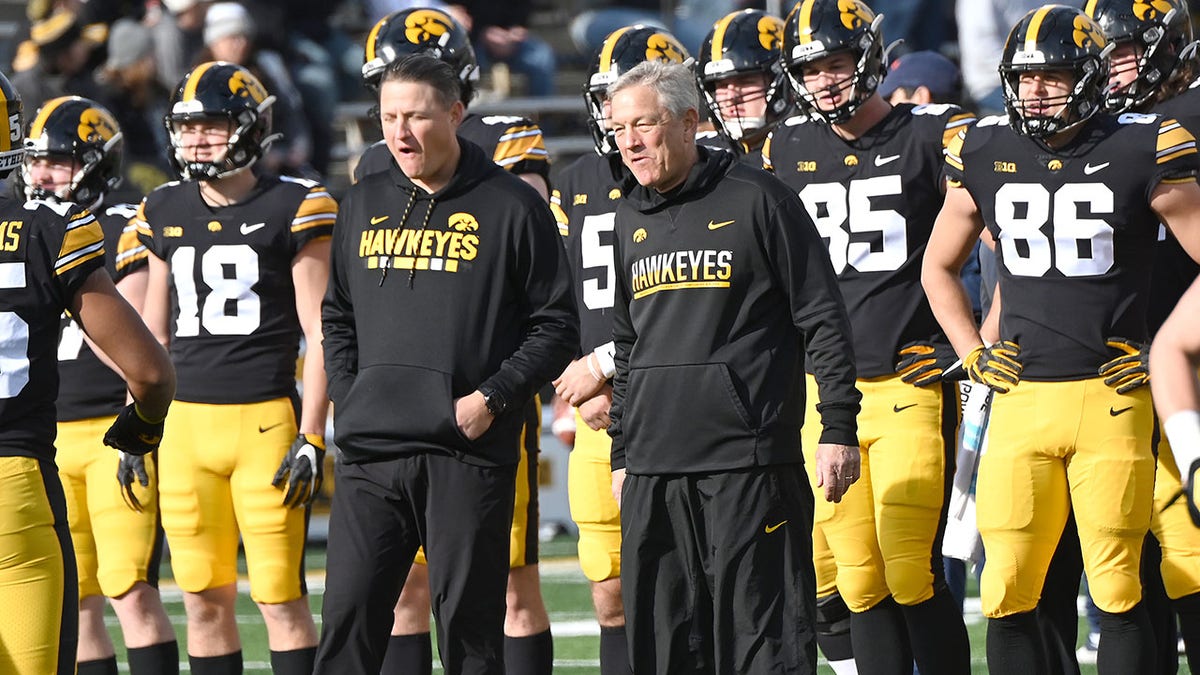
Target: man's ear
x=691, y=121
x=457, y=112
x=922, y=96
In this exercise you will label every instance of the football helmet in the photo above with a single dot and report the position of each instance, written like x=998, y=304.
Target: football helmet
x=741, y=43
x=1162, y=32
x=12, y=149
x=1055, y=37
x=221, y=91
x=420, y=31
x=815, y=29
x=84, y=131
x=623, y=49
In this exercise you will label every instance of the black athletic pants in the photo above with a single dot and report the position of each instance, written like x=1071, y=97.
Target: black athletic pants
x=717, y=573
x=382, y=511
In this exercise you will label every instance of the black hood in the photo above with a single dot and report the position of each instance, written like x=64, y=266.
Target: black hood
x=708, y=169
x=473, y=166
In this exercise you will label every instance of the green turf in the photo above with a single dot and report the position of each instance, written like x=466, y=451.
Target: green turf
x=566, y=594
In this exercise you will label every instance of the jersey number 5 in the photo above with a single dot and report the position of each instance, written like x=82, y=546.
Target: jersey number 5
x=1076, y=246
x=230, y=306
x=839, y=211
x=598, y=255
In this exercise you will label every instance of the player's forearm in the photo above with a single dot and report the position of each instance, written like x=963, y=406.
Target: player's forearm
x=1173, y=380
x=314, y=406
x=951, y=306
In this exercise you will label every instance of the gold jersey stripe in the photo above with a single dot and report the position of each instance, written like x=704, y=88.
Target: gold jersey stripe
x=82, y=241
x=322, y=222
x=954, y=125
x=1174, y=141
x=316, y=204
x=954, y=148
x=1035, y=27
x=766, y=154
x=524, y=143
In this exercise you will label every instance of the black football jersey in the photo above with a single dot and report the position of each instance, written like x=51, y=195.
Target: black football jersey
x=584, y=203
x=88, y=388
x=47, y=251
x=746, y=154
x=873, y=201
x=1174, y=270
x=234, y=329
x=1075, y=235
x=514, y=143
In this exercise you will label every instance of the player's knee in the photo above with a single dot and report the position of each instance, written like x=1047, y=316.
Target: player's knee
x=910, y=584
x=212, y=606
x=860, y=589
x=1181, y=574
x=1115, y=591
x=833, y=616
x=606, y=598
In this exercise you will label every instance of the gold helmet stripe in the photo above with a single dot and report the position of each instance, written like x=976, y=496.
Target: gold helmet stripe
x=607, y=52
x=1035, y=27
x=373, y=36
x=718, y=41
x=804, y=25
x=189, y=89
x=39, y=122
x=5, y=141
x=1090, y=8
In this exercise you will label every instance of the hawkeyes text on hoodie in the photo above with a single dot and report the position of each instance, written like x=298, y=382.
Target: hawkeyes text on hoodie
x=719, y=282
x=433, y=295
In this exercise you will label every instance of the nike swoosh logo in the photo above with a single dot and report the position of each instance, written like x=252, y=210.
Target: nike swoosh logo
x=263, y=430
x=1088, y=169
x=898, y=408
x=717, y=226
x=771, y=528
x=375, y=220
x=1114, y=412
x=247, y=229
x=880, y=161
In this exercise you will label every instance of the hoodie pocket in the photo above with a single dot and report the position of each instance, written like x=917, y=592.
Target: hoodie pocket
x=409, y=405
x=696, y=405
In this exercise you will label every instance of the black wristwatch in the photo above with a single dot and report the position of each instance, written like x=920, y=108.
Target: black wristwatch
x=495, y=403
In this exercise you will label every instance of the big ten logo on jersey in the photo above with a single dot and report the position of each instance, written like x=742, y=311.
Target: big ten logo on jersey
x=852, y=220
x=681, y=270
x=439, y=250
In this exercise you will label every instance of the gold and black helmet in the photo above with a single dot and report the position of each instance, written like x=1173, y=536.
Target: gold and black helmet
x=220, y=90
x=420, y=31
x=84, y=131
x=815, y=29
x=12, y=148
x=1162, y=32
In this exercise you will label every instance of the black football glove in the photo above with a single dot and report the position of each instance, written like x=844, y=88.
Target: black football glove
x=302, y=469
x=1190, y=491
x=922, y=363
x=132, y=433
x=1131, y=369
x=995, y=366
x=132, y=467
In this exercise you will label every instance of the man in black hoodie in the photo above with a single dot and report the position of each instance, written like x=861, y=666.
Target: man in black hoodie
x=449, y=304
x=722, y=281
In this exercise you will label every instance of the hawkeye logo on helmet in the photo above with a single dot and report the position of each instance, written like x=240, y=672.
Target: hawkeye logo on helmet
x=245, y=85
x=770, y=33
x=425, y=25
x=854, y=14
x=660, y=47
x=94, y=125
x=1087, y=33
x=1151, y=10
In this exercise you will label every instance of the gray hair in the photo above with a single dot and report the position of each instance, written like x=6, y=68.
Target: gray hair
x=673, y=82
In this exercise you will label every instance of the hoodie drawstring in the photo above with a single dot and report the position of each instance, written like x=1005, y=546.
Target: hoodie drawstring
x=412, y=199
x=412, y=273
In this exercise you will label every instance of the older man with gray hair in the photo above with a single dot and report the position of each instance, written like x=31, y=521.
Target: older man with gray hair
x=722, y=280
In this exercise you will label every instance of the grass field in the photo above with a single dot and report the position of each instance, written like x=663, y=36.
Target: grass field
x=576, y=635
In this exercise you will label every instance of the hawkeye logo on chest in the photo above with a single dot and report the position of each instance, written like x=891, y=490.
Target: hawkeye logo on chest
x=437, y=250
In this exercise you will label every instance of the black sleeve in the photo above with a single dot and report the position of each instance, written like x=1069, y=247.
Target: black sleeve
x=539, y=265
x=623, y=337
x=337, y=318
x=801, y=262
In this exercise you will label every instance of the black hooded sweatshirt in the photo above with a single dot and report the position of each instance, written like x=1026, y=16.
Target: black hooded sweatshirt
x=719, y=283
x=432, y=296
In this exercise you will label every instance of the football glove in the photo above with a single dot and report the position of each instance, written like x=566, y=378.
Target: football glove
x=1190, y=491
x=1131, y=369
x=995, y=366
x=129, y=468
x=302, y=469
x=922, y=363
x=133, y=433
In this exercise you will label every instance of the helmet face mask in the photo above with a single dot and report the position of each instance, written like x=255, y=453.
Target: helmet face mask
x=420, y=31
x=818, y=29
x=744, y=46
x=81, y=132
x=220, y=91
x=623, y=49
x=1054, y=38
x=1160, y=31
